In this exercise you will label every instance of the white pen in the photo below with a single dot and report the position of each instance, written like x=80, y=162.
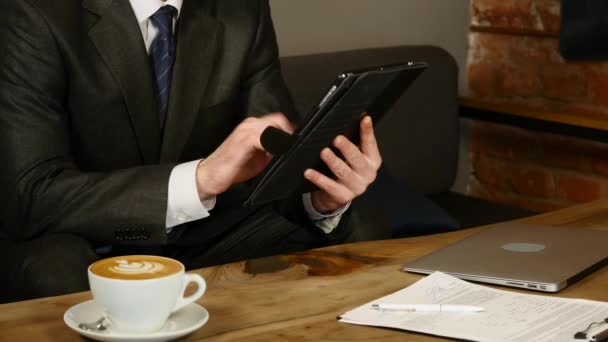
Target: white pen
x=427, y=307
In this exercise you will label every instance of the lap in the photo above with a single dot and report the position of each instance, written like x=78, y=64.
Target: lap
x=51, y=265
x=56, y=264
x=263, y=233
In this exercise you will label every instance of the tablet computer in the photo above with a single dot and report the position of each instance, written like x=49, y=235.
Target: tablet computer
x=352, y=95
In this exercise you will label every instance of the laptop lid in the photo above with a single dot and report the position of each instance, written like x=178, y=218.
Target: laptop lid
x=536, y=257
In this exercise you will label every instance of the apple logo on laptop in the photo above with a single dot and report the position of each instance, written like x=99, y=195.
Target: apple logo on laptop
x=523, y=247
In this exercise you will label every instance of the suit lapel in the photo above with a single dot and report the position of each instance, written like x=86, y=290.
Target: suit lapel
x=117, y=37
x=197, y=36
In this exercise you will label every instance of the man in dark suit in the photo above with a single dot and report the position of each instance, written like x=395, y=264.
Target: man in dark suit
x=133, y=127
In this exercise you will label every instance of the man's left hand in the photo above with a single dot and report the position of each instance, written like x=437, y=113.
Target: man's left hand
x=352, y=175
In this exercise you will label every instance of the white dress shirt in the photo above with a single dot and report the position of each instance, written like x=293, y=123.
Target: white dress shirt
x=183, y=202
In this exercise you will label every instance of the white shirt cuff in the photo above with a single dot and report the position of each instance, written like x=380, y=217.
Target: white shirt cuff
x=183, y=203
x=326, y=222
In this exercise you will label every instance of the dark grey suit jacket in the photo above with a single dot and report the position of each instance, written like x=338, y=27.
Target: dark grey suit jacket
x=80, y=145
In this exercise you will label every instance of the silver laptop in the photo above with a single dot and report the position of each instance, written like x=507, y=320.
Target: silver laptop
x=534, y=257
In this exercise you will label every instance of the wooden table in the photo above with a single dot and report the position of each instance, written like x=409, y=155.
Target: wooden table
x=298, y=296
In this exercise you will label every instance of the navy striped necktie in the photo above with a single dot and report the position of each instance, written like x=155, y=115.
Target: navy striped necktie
x=163, y=55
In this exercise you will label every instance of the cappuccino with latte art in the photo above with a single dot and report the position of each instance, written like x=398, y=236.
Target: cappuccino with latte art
x=136, y=267
x=137, y=293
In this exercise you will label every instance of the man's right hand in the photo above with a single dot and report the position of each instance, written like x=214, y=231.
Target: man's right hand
x=239, y=158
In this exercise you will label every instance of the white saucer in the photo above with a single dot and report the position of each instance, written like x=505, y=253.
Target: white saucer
x=181, y=323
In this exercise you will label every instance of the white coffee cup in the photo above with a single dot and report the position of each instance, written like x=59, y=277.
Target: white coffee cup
x=138, y=293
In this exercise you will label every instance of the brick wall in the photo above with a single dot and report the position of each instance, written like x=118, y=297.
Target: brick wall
x=514, y=58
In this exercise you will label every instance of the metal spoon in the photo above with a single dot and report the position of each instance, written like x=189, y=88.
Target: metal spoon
x=95, y=326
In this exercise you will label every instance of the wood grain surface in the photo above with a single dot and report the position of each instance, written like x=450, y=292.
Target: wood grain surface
x=298, y=296
x=527, y=111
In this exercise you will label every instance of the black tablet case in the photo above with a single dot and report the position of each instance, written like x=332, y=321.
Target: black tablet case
x=371, y=91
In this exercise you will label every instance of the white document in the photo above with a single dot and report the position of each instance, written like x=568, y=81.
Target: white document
x=508, y=316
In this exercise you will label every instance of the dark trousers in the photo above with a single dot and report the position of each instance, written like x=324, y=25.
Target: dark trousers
x=56, y=264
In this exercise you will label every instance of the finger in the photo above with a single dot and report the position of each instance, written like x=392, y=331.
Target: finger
x=356, y=183
x=245, y=135
x=340, y=169
x=335, y=190
x=279, y=120
x=251, y=129
x=369, y=145
x=354, y=157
